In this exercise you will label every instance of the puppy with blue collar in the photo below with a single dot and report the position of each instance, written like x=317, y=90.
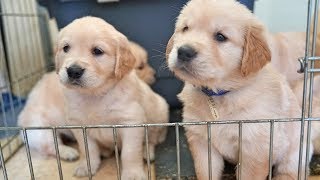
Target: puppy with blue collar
x=220, y=50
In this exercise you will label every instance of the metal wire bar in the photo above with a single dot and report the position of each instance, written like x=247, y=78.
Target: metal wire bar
x=163, y=124
x=314, y=39
x=307, y=50
x=313, y=70
x=3, y=165
x=240, y=151
x=55, y=139
x=271, y=150
x=146, y=132
x=85, y=138
x=25, y=137
x=314, y=58
x=178, y=152
x=9, y=140
x=209, y=150
x=116, y=151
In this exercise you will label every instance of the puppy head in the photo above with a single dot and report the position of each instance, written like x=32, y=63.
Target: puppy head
x=214, y=39
x=91, y=53
x=143, y=69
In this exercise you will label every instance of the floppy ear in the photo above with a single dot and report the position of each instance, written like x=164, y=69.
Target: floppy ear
x=125, y=60
x=256, y=52
x=169, y=46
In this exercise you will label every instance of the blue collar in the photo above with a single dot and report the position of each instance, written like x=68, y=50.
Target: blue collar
x=210, y=92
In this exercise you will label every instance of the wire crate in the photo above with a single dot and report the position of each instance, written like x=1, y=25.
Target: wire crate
x=26, y=54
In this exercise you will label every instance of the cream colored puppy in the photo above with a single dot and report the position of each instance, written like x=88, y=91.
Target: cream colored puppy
x=45, y=107
x=286, y=48
x=100, y=88
x=221, y=52
x=143, y=69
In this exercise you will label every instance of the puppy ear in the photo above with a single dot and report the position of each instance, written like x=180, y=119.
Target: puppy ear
x=169, y=46
x=256, y=52
x=125, y=60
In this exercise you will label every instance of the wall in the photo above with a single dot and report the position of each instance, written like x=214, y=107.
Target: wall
x=282, y=15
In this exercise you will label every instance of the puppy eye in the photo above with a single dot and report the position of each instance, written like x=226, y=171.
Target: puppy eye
x=97, y=51
x=141, y=66
x=186, y=28
x=66, y=48
x=220, y=37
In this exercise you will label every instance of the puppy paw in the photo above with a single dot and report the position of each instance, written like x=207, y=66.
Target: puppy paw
x=134, y=174
x=68, y=153
x=82, y=169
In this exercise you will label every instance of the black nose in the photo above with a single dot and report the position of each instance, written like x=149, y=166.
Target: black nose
x=186, y=53
x=75, y=71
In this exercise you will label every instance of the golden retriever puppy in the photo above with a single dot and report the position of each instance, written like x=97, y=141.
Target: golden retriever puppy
x=95, y=65
x=220, y=50
x=143, y=69
x=315, y=131
x=44, y=110
x=286, y=48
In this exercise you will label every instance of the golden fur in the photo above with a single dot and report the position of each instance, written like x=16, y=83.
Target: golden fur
x=44, y=110
x=143, y=69
x=315, y=130
x=110, y=93
x=257, y=91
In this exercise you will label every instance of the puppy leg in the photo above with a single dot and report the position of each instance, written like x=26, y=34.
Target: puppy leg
x=131, y=154
x=156, y=135
x=43, y=142
x=253, y=167
x=151, y=152
x=288, y=167
x=94, y=153
x=199, y=151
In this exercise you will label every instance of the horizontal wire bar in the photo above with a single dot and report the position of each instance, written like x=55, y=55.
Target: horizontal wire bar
x=311, y=58
x=162, y=124
x=313, y=70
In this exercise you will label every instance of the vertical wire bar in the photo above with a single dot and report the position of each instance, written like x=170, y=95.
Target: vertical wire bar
x=209, y=150
x=147, y=151
x=25, y=137
x=314, y=39
x=178, y=152
x=85, y=138
x=240, y=151
x=271, y=149
x=55, y=139
x=304, y=88
x=116, y=151
x=3, y=166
